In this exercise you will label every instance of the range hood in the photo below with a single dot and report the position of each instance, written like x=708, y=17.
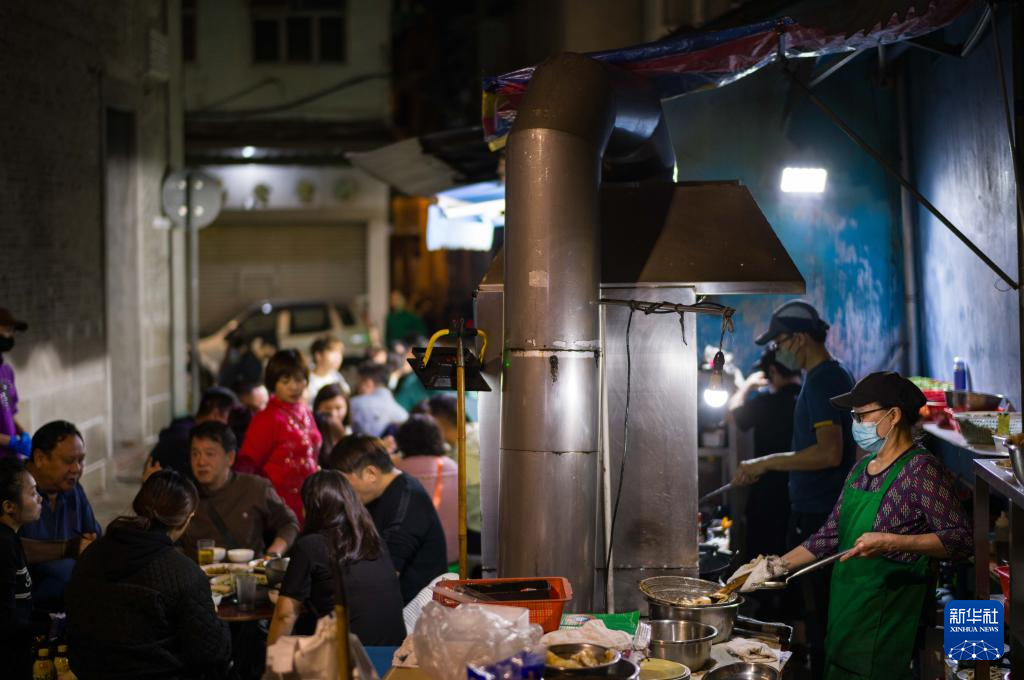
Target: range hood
x=707, y=235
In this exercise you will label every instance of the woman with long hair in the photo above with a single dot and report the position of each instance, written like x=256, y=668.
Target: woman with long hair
x=137, y=605
x=339, y=535
x=333, y=417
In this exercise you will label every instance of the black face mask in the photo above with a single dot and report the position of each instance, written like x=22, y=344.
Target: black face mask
x=6, y=343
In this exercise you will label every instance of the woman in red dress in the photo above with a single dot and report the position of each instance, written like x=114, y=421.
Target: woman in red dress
x=282, y=441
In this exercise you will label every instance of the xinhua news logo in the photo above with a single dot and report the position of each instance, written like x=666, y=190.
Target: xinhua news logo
x=973, y=630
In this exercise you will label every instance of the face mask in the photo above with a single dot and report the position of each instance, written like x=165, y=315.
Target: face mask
x=787, y=359
x=866, y=436
x=6, y=343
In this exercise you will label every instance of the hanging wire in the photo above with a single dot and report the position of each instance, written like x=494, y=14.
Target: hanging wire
x=701, y=307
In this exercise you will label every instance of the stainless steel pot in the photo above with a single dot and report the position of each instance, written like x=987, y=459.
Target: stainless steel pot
x=660, y=590
x=721, y=616
x=685, y=642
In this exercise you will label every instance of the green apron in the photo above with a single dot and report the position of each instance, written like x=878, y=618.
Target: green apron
x=875, y=604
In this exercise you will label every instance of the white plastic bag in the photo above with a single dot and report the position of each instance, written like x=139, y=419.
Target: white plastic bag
x=447, y=640
x=302, y=657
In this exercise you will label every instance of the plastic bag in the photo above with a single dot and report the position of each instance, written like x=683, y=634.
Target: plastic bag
x=446, y=640
x=302, y=657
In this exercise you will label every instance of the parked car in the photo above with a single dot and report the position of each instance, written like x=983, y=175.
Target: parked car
x=288, y=324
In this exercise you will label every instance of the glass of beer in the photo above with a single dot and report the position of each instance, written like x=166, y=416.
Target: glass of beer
x=204, y=550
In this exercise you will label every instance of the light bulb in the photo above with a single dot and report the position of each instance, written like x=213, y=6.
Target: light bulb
x=715, y=398
x=714, y=395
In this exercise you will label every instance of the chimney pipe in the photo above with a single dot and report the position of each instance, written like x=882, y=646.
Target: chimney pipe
x=579, y=121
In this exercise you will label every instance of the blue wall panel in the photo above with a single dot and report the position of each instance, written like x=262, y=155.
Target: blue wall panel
x=846, y=241
x=962, y=164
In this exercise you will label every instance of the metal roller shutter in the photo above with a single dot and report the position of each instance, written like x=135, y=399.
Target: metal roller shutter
x=242, y=264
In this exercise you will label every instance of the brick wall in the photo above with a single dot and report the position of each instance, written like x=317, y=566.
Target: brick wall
x=62, y=65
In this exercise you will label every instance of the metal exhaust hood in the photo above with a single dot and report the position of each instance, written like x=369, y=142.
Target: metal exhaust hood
x=711, y=236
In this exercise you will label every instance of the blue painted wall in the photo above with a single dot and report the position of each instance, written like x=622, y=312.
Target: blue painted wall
x=962, y=163
x=846, y=241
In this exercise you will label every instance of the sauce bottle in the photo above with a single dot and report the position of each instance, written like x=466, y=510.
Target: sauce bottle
x=60, y=662
x=43, y=668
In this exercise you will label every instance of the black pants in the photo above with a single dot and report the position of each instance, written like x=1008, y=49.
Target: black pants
x=811, y=595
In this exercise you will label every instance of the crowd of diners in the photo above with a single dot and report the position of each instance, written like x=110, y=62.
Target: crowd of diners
x=361, y=481
x=336, y=479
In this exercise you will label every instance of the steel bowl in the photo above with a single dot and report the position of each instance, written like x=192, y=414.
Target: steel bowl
x=1017, y=461
x=567, y=650
x=973, y=401
x=276, y=569
x=743, y=671
x=685, y=642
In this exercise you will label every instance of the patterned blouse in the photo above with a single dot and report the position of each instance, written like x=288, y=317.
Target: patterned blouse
x=921, y=500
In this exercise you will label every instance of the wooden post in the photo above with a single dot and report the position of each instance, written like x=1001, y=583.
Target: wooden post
x=460, y=382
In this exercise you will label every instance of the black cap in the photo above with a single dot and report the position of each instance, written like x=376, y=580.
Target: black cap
x=767, y=359
x=7, y=319
x=885, y=388
x=795, y=316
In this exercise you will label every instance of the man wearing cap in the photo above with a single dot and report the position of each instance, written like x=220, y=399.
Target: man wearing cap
x=822, y=452
x=898, y=509
x=13, y=438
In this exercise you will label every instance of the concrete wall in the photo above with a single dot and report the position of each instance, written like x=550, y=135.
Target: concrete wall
x=962, y=164
x=62, y=66
x=224, y=66
x=846, y=241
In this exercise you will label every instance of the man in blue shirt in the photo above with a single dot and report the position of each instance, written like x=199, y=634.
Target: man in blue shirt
x=374, y=407
x=823, y=449
x=67, y=525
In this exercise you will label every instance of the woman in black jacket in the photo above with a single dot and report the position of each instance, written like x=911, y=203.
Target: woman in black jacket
x=138, y=608
x=339, y=533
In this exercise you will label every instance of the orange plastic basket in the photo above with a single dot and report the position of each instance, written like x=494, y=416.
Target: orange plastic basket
x=546, y=613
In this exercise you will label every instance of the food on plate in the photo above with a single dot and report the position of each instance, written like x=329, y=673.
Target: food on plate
x=216, y=569
x=221, y=568
x=222, y=588
x=582, y=659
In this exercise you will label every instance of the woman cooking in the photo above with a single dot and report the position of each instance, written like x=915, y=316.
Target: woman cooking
x=897, y=510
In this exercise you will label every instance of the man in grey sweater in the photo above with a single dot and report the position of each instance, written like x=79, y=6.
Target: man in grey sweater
x=236, y=510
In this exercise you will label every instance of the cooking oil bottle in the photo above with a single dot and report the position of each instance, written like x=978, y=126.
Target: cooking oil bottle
x=60, y=662
x=43, y=668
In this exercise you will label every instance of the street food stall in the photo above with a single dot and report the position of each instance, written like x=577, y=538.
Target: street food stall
x=589, y=449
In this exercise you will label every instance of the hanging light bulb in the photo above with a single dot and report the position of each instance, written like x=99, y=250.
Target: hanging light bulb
x=715, y=395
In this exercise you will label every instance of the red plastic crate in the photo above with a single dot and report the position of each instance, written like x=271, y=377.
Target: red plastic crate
x=546, y=613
